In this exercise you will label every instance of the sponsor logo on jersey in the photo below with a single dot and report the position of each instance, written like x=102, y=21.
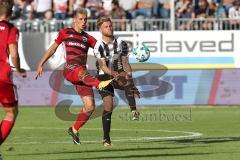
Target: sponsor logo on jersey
x=2, y=28
x=70, y=67
x=84, y=39
x=76, y=44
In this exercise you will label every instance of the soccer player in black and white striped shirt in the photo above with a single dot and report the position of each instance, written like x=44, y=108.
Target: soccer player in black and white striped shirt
x=112, y=61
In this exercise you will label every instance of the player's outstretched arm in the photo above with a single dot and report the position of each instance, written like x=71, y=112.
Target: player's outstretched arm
x=13, y=51
x=45, y=57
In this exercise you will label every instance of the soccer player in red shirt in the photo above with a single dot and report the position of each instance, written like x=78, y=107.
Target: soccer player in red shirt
x=8, y=45
x=77, y=43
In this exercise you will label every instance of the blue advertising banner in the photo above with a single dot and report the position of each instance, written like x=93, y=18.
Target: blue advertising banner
x=174, y=87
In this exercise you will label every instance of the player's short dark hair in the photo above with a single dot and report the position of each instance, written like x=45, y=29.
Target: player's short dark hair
x=81, y=11
x=6, y=8
x=103, y=19
x=115, y=2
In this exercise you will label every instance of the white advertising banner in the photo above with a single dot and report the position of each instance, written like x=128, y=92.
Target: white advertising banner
x=173, y=49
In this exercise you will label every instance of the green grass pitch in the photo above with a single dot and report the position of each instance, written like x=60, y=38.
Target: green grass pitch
x=169, y=133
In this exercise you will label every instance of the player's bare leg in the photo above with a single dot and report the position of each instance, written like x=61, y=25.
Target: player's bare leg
x=11, y=112
x=106, y=119
x=83, y=117
x=88, y=101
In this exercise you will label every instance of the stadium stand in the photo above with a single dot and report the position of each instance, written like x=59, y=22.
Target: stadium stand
x=52, y=15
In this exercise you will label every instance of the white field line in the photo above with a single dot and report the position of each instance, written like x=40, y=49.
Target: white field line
x=186, y=135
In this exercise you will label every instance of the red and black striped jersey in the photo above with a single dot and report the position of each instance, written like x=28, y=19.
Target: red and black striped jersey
x=76, y=45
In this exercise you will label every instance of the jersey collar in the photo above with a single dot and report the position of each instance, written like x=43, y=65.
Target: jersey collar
x=114, y=40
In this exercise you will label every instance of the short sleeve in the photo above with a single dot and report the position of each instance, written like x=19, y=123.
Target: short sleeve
x=124, y=48
x=60, y=37
x=13, y=36
x=92, y=41
x=99, y=50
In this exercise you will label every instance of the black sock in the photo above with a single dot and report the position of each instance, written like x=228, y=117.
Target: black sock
x=106, y=122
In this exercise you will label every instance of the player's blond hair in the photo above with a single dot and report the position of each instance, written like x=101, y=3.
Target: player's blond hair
x=6, y=8
x=103, y=19
x=81, y=11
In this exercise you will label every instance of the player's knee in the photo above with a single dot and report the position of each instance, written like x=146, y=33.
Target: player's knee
x=12, y=112
x=11, y=109
x=89, y=109
x=108, y=106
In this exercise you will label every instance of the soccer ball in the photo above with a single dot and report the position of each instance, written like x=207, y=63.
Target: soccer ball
x=141, y=53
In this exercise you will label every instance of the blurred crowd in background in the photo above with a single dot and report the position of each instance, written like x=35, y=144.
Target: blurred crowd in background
x=129, y=14
x=125, y=9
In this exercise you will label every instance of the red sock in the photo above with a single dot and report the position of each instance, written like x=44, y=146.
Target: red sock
x=6, y=127
x=82, y=119
x=90, y=80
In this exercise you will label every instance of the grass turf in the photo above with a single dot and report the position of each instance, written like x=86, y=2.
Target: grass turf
x=40, y=135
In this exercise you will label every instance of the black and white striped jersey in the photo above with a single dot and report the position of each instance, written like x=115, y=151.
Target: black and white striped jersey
x=112, y=54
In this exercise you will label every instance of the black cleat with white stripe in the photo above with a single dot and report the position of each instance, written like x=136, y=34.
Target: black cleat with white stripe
x=74, y=136
x=107, y=142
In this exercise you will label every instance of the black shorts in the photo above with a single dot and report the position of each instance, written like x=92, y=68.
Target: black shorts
x=109, y=90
